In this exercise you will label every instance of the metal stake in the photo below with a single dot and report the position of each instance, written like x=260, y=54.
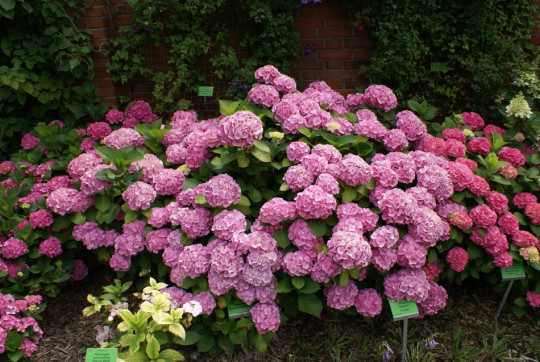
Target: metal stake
x=404, y=347
x=504, y=299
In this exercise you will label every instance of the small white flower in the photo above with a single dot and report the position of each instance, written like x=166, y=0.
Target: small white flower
x=519, y=107
x=192, y=307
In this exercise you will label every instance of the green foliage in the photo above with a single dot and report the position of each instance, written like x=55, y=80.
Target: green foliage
x=45, y=68
x=196, y=31
x=454, y=54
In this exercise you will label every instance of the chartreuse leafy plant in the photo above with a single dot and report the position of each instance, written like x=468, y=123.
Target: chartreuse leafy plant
x=142, y=336
x=45, y=68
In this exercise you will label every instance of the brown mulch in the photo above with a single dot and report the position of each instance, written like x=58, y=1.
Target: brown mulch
x=67, y=334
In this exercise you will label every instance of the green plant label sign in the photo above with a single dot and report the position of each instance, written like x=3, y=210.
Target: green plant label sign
x=101, y=355
x=205, y=91
x=403, y=309
x=238, y=309
x=439, y=67
x=515, y=272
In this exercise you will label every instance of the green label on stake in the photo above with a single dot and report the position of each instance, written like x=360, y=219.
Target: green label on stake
x=403, y=309
x=205, y=91
x=438, y=67
x=101, y=354
x=238, y=309
x=515, y=272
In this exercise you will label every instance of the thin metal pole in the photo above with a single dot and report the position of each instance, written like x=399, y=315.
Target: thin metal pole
x=504, y=299
x=404, y=347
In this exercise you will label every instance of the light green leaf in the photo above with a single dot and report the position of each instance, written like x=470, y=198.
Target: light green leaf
x=298, y=282
x=152, y=347
x=7, y=5
x=310, y=304
x=170, y=355
x=177, y=330
x=261, y=145
x=261, y=155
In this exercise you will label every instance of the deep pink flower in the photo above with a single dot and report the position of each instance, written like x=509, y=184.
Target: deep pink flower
x=29, y=141
x=41, y=218
x=397, y=207
x=457, y=258
x=435, y=301
x=436, y=180
x=533, y=298
x=454, y=134
x=497, y=202
x=98, y=130
x=411, y=284
x=483, y=216
x=50, y=247
x=354, y=170
x=460, y=175
x=479, y=145
x=533, y=213
x=13, y=248
x=461, y=220
x=479, y=186
x=114, y=116
x=522, y=199
x=490, y=129
x=524, y=239
x=512, y=155
x=503, y=260
x=472, y=119
x=80, y=270
x=395, y=140
x=469, y=163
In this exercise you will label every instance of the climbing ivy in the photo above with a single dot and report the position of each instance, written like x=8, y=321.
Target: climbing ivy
x=194, y=30
x=45, y=67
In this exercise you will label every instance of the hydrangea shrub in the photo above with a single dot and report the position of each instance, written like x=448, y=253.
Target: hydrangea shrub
x=287, y=202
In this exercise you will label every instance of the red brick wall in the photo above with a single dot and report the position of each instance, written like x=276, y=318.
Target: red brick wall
x=333, y=48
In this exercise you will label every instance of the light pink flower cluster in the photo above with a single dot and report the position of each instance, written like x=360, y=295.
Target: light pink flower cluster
x=315, y=203
x=67, y=200
x=240, y=129
x=263, y=95
x=277, y=210
x=29, y=141
x=380, y=96
x=227, y=223
x=341, y=298
x=368, y=302
x=221, y=191
x=436, y=300
x=368, y=125
x=123, y=137
x=349, y=249
x=411, y=125
x=168, y=181
x=138, y=112
x=139, y=195
x=436, y=180
x=398, y=207
x=266, y=317
x=13, y=248
x=407, y=283
x=83, y=163
x=41, y=218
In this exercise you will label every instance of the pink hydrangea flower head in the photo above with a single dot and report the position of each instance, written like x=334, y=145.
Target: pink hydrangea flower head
x=435, y=145
x=395, y=140
x=114, y=116
x=455, y=148
x=380, y=96
x=123, y=137
x=329, y=152
x=315, y=164
x=473, y=120
x=240, y=129
x=168, y=181
x=398, y=207
x=157, y=240
x=284, y=109
x=13, y=248
x=98, y=130
x=411, y=284
x=29, y=141
x=533, y=213
x=301, y=235
x=383, y=174
x=384, y=237
x=508, y=223
x=61, y=201
x=495, y=242
x=194, y=260
x=297, y=177
x=225, y=262
x=427, y=227
x=490, y=129
x=368, y=125
x=80, y=270
x=355, y=100
x=317, y=118
x=403, y=165
x=129, y=244
x=508, y=172
x=469, y=163
x=436, y=180
x=41, y=218
x=297, y=150
x=341, y=298
x=410, y=253
x=120, y=262
x=436, y=300
x=479, y=145
x=350, y=224
x=458, y=258
x=315, y=203
x=503, y=260
x=277, y=210
x=298, y=263
x=461, y=220
x=524, y=239
x=263, y=95
x=411, y=125
x=284, y=83
x=349, y=250
x=354, y=171
x=423, y=197
x=522, y=199
x=222, y=191
x=533, y=299
x=90, y=184
x=460, y=175
x=339, y=126
x=266, y=74
x=194, y=222
x=227, y=223
x=292, y=123
x=141, y=111
x=512, y=155
x=454, y=134
x=139, y=195
x=82, y=163
x=328, y=183
x=483, y=216
x=50, y=247
x=479, y=186
x=383, y=259
x=497, y=202
x=266, y=317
